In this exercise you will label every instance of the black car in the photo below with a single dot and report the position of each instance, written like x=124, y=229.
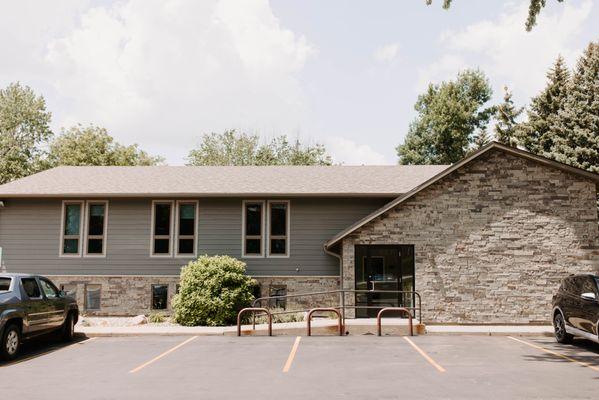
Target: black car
x=576, y=308
x=31, y=305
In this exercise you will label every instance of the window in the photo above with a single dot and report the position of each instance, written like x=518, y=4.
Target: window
x=4, y=284
x=278, y=290
x=92, y=297
x=159, y=297
x=70, y=243
x=70, y=290
x=49, y=289
x=278, y=231
x=186, y=228
x=253, y=221
x=31, y=288
x=95, y=234
x=162, y=221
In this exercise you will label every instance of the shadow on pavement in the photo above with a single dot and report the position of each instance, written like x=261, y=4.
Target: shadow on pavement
x=41, y=346
x=581, y=350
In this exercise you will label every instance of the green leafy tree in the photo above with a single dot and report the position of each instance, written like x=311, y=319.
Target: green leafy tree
x=232, y=148
x=576, y=129
x=92, y=145
x=24, y=129
x=506, y=116
x=449, y=115
x=535, y=134
x=534, y=8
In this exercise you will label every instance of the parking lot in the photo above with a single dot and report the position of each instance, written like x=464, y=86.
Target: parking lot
x=170, y=367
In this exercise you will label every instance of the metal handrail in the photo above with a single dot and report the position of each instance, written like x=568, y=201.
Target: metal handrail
x=254, y=310
x=387, y=309
x=312, y=311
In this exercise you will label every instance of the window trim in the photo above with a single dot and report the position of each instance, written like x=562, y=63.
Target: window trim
x=79, y=253
x=86, y=235
x=171, y=230
x=262, y=229
x=288, y=230
x=195, y=230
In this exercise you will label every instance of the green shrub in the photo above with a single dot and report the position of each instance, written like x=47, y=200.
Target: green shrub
x=156, y=318
x=212, y=291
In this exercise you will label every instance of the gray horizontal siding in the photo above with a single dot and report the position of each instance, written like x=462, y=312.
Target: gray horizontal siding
x=30, y=236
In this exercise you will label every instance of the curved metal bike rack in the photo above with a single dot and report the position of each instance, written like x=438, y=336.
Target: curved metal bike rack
x=254, y=310
x=312, y=311
x=387, y=309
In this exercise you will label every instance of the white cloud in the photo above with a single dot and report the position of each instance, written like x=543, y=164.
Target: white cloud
x=506, y=52
x=155, y=70
x=387, y=54
x=348, y=152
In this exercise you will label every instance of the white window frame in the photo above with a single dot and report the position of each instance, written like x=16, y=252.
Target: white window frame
x=195, y=230
x=287, y=226
x=262, y=229
x=81, y=228
x=87, y=236
x=171, y=230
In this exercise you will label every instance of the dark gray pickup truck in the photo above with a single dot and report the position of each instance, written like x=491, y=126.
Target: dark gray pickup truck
x=31, y=305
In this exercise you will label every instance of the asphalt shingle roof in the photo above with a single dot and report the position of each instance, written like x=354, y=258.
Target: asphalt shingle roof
x=222, y=181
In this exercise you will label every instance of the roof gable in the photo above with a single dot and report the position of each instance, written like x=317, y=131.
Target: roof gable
x=493, y=145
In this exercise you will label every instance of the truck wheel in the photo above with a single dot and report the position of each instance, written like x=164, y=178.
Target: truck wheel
x=68, y=328
x=559, y=325
x=11, y=342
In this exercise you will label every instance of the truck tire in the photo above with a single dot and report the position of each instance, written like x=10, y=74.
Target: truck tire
x=68, y=328
x=10, y=343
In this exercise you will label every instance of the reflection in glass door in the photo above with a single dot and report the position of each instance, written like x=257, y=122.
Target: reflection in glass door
x=383, y=267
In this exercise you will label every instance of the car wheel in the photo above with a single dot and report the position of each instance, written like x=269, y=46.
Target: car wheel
x=68, y=328
x=559, y=325
x=11, y=342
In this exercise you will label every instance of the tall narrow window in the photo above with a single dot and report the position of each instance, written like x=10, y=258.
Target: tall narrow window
x=278, y=228
x=95, y=240
x=71, y=228
x=253, y=228
x=161, y=229
x=186, y=228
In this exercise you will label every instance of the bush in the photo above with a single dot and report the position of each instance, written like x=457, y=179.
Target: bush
x=156, y=318
x=212, y=291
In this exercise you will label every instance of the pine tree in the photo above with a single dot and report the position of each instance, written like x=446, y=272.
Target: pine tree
x=481, y=139
x=535, y=134
x=576, y=129
x=506, y=116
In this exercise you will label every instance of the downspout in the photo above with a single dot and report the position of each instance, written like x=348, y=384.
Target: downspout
x=342, y=299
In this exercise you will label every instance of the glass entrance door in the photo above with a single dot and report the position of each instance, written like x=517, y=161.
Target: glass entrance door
x=383, y=267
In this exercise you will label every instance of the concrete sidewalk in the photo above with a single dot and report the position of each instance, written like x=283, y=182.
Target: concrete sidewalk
x=320, y=326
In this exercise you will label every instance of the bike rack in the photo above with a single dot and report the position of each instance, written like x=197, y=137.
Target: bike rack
x=386, y=309
x=254, y=310
x=312, y=311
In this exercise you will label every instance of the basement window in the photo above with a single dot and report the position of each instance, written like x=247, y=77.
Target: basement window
x=93, y=297
x=159, y=297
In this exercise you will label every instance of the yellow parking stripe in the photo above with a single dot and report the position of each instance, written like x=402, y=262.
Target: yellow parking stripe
x=426, y=356
x=162, y=355
x=292, y=354
x=555, y=353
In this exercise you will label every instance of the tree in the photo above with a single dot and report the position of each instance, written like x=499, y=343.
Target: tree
x=534, y=8
x=576, y=129
x=535, y=134
x=232, y=148
x=481, y=139
x=92, y=145
x=506, y=115
x=24, y=128
x=449, y=114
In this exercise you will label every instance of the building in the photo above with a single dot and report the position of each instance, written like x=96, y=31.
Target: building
x=485, y=240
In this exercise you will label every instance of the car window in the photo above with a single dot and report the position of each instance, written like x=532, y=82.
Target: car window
x=49, y=289
x=4, y=284
x=31, y=288
x=569, y=285
x=587, y=285
x=597, y=283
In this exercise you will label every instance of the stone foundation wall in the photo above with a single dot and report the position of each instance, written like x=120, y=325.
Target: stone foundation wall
x=132, y=295
x=492, y=240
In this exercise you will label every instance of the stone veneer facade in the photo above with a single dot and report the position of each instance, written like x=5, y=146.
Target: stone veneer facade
x=132, y=295
x=492, y=239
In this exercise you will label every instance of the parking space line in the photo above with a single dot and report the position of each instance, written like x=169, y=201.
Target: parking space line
x=426, y=356
x=52, y=350
x=142, y=366
x=292, y=354
x=555, y=353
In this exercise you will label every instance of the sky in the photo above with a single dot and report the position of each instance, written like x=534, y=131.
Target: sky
x=161, y=73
